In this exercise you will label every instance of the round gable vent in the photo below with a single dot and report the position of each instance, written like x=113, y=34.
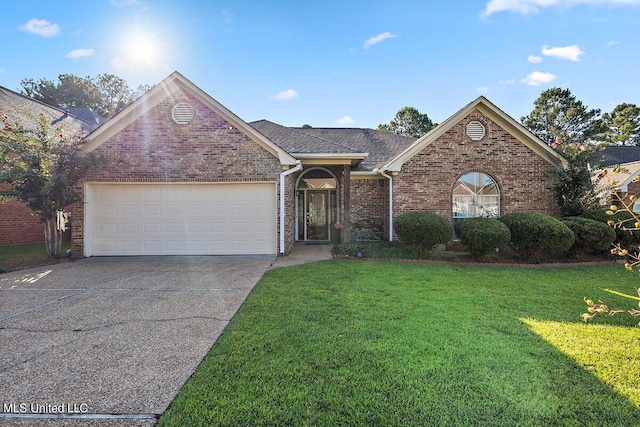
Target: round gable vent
x=182, y=113
x=475, y=131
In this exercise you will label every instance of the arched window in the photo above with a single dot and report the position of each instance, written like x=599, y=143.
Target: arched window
x=475, y=194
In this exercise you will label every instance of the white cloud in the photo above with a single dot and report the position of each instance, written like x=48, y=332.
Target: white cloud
x=507, y=82
x=534, y=59
x=286, y=95
x=80, y=53
x=613, y=43
x=537, y=78
x=571, y=53
x=3, y=71
x=40, y=27
x=346, y=120
x=377, y=39
x=526, y=7
x=482, y=90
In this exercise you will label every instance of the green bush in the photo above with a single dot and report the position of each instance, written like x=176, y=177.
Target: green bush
x=536, y=234
x=482, y=235
x=422, y=230
x=591, y=236
x=627, y=239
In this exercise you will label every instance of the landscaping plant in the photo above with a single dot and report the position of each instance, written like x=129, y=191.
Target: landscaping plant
x=482, y=235
x=591, y=236
x=422, y=230
x=536, y=234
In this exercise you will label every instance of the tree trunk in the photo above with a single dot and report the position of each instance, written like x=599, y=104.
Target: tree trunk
x=52, y=238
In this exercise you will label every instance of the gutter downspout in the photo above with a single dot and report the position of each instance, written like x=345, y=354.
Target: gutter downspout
x=283, y=175
x=390, y=178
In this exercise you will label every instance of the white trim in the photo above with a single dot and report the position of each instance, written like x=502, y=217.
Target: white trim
x=88, y=221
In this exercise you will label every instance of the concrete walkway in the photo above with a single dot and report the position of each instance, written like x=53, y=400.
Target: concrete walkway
x=302, y=253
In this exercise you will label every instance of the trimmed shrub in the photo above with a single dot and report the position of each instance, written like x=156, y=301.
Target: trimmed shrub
x=482, y=235
x=591, y=236
x=422, y=230
x=627, y=239
x=536, y=234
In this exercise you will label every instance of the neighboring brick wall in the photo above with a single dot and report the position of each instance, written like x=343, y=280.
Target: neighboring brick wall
x=18, y=224
x=156, y=149
x=427, y=180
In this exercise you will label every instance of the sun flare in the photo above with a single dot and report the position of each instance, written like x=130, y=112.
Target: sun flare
x=141, y=50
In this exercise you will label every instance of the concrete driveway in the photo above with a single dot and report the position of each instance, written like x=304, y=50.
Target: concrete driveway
x=112, y=340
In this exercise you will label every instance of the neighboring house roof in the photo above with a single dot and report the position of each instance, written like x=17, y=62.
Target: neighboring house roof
x=26, y=110
x=88, y=115
x=619, y=180
x=618, y=155
x=487, y=108
x=157, y=94
x=367, y=148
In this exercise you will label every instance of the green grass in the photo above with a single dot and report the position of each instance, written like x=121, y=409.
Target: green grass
x=28, y=250
x=388, y=344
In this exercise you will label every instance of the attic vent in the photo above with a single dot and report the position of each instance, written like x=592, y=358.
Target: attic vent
x=182, y=113
x=475, y=131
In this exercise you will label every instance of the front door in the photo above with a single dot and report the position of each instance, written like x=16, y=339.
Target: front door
x=317, y=215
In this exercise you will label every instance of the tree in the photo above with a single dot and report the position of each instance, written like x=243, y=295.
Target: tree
x=558, y=114
x=106, y=94
x=42, y=166
x=622, y=125
x=563, y=122
x=409, y=122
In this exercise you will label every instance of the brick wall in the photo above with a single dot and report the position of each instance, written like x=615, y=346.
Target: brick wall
x=18, y=224
x=156, y=149
x=427, y=180
x=370, y=205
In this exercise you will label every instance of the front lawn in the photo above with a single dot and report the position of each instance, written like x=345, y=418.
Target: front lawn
x=372, y=343
x=17, y=257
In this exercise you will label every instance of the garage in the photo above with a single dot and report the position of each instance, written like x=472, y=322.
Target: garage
x=180, y=219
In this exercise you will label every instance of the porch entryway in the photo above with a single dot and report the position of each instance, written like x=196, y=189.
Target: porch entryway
x=317, y=206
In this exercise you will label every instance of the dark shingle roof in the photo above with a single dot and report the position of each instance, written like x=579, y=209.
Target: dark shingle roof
x=617, y=155
x=24, y=109
x=381, y=146
x=88, y=115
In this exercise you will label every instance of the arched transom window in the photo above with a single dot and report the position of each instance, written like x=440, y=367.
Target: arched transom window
x=476, y=194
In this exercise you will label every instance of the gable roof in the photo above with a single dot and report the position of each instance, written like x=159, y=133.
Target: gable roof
x=157, y=94
x=487, y=108
x=25, y=110
x=371, y=147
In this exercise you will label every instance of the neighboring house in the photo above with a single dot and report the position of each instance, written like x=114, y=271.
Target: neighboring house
x=184, y=175
x=18, y=224
x=626, y=180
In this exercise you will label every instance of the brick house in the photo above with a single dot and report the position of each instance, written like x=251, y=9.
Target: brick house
x=18, y=224
x=627, y=181
x=184, y=175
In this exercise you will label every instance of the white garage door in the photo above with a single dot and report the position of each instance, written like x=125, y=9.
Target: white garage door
x=180, y=219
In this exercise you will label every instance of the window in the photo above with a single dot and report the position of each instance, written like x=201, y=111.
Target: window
x=475, y=194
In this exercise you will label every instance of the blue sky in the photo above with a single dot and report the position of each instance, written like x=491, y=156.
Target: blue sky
x=337, y=63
